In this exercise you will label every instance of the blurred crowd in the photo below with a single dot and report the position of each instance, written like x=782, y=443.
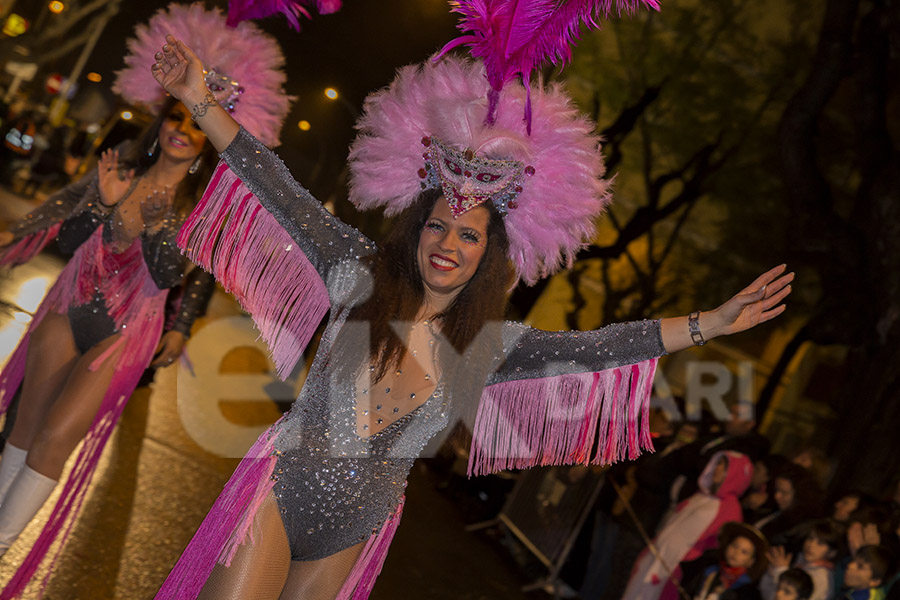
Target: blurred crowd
x=713, y=514
x=37, y=157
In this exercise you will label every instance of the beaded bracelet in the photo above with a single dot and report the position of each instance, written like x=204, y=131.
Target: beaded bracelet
x=199, y=110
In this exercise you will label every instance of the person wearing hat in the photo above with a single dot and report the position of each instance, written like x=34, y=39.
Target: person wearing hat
x=742, y=561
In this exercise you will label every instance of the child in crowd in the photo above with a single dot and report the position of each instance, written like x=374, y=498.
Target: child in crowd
x=794, y=584
x=820, y=549
x=692, y=528
x=742, y=559
x=865, y=574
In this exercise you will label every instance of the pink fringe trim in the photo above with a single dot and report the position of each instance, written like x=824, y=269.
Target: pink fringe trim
x=586, y=418
x=361, y=580
x=28, y=247
x=228, y=523
x=252, y=256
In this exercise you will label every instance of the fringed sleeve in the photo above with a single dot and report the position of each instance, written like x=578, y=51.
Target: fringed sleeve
x=567, y=397
x=271, y=244
x=41, y=226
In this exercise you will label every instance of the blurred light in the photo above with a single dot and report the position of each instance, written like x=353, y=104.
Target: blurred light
x=31, y=293
x=331, y=93
x=57, y=7
x=95, y=77
x=304, y=125
x=126, y=115
x=15, y=25
x=93, y=128
x=21, y=317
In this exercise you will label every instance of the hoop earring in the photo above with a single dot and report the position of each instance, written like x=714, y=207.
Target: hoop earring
x=196, y=165
x=153, y=148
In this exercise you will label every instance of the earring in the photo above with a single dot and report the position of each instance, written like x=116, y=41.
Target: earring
x=153, y=148
x=196, y=165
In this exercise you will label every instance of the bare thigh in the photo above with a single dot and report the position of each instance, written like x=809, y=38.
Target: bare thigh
x=71, y=414
x=260, y=567
x=320, y=579
x=50, y=358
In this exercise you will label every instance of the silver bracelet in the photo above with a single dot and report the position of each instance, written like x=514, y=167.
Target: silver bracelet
x=694, y=327
x=199, y=110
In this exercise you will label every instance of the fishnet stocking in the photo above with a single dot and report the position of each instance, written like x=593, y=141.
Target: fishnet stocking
x=320, y=579
x=263, y=569
x=259, y=568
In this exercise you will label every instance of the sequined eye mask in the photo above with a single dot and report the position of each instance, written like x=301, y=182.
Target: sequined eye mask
x=468, y=180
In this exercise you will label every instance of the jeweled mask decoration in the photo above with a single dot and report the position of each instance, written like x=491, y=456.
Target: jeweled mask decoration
x=468, y=180
x=226, y=90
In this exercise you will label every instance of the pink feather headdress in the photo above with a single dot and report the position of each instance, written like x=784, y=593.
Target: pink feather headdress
x=245, y=64
x=458, y=124
x=553, y=216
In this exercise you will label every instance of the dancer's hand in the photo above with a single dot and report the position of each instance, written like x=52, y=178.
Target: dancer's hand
x=757, y=303
x=169, y=349
x=156, y=206
x=6, y=238
x=112, y=183
x=178, y=70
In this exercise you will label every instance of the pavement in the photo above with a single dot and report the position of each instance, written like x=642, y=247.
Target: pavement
x=179, y=439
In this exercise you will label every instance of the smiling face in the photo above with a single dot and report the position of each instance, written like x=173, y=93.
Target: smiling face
x=180, y=138
x=740, y=553
x=450, y=249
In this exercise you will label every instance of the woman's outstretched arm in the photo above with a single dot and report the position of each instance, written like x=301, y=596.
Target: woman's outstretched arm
x=757, y=303
x=532, y=353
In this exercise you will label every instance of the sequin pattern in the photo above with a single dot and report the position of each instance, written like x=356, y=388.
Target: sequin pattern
x=334, y=488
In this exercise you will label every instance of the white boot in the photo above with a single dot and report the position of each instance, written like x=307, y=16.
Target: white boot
x=26, y=496
x=11, y=463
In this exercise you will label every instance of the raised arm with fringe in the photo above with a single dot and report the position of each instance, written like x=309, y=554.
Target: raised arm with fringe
x=567, y=397
x=276, y=261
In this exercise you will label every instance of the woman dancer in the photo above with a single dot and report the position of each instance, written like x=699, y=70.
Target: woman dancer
x=102, y=322
x=415, y=336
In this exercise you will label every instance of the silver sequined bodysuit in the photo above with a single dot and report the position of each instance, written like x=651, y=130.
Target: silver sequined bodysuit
x=333, y=487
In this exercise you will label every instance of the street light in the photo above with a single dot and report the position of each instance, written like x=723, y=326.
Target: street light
x=56, y=7
x=95, y=77
x=331, y=93
x=126, y=115
x=304, y=125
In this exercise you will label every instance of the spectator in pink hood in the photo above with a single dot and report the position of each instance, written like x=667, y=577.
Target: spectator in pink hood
x=692, y=528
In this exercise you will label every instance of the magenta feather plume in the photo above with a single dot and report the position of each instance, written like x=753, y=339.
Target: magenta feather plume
x=445, y=99
x=244, y=53
x=248, y=10
x=515, y=37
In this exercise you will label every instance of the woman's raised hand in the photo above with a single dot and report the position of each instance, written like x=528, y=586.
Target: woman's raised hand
x=757, y=303
x=178, y=70
x=112, y=184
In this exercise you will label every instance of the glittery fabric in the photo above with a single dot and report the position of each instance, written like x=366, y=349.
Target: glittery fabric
x=334, y=487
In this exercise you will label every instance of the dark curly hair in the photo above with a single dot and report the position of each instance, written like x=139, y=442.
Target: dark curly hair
x=399, y=291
